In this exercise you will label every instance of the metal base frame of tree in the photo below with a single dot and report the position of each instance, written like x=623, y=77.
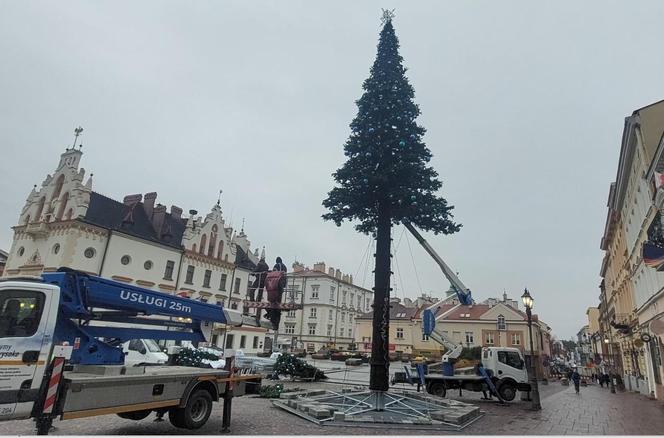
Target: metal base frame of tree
x=386, y=180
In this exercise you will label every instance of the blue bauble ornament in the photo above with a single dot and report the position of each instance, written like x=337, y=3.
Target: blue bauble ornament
x=413, y=136
x=412, y=198
x=366, y=181
x=371, y=130
x=402, y=143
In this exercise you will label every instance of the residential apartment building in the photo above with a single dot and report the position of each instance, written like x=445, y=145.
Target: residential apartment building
x=330, y=301
x=64, y=223
x=630, y=291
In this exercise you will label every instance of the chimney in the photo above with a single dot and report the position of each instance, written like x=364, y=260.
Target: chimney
x=337, y=274
x=298, y=267
x=345, y=278
x=330, y=272
x=132, y=199
x=148, y=203
x=351, y=279
x=176, y=212
x=320, y=267
x=158, y=216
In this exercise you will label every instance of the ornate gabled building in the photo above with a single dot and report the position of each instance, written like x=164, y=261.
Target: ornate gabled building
x=137, y=241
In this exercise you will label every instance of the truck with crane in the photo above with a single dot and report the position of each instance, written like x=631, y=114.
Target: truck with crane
x=503, y=370
x=62, y=337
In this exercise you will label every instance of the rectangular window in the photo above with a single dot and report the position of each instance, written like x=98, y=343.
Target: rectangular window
x=189, y=279
x=352, y=298
x=510, y=358
x=359, y=303
x=21, y=312
x=470, y=338
x=206, y=278
x=290, y=329
x=229, y=341
x=255, y=344
x=343, y=299
x=399, y=333
x=236, y=290
x=516, y=339
x=341, y=332
x=314, y=292
x=489, y=339
x=331, y=294
x=290, y=314
x=168, y=272
x=314, y=313
x=243, y=341
x=343, y=316
x=330, y=314
x=368, y=304
x=329, y=330
x=222, y=283
x=312, y=329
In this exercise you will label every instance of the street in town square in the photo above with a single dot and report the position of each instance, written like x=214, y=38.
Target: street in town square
x=251, y=217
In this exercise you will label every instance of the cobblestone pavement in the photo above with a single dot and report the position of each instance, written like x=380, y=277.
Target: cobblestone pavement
x=595, y=411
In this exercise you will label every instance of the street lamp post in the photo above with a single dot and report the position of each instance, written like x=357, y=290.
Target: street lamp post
x=528, y=303
x=611, y=367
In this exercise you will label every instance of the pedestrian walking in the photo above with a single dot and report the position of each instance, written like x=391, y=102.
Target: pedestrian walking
x=576, y=378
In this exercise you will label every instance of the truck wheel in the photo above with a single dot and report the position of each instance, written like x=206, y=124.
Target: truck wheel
x=507, y=391
x=195, y=414
x=136, y=415
x=438, y=389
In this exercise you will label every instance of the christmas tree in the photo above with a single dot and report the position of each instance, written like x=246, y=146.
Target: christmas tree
x=386, y=179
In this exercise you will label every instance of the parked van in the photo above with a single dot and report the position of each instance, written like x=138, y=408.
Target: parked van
x=143, y=351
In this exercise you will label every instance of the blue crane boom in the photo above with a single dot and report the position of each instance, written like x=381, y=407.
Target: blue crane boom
x=453, y=350
x=86, y=299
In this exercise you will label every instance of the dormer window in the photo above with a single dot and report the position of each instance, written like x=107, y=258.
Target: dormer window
x=500, y=325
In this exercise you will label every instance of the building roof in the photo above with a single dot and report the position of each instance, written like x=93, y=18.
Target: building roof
x=397, y=312
x=132, y=220
x=242, y=260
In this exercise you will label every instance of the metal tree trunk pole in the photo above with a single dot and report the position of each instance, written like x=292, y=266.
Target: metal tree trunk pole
x=380, y=363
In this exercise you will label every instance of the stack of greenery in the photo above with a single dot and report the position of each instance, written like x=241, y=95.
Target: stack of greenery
x=190, y=357
x=272, y=391
x=289, y=365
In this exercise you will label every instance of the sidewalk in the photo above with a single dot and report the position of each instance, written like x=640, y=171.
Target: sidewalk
x=595, y=411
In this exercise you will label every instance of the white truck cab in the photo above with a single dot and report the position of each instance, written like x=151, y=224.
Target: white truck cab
x=28, y=313
x=506, y=363
x=143, y=352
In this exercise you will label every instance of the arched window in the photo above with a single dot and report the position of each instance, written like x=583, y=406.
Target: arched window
x=203, y=242
x=221, y=249
x=63, y=205
x=58, y=187
x=213, y=241
x=70, y=213
x=193, y=247
x=500, y=325
x=40, y=209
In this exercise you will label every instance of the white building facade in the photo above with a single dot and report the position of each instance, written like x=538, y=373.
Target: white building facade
x=64, y=223
x=330, y=303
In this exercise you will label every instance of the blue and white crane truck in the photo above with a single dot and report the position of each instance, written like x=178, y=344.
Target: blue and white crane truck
x=61, y=354
x=502, y=372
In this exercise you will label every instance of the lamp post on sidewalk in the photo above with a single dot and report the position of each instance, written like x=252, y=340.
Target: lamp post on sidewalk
x=611, y=367
x=528, y=303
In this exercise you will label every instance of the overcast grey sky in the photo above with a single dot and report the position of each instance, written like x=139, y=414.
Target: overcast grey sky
x=523, y=102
